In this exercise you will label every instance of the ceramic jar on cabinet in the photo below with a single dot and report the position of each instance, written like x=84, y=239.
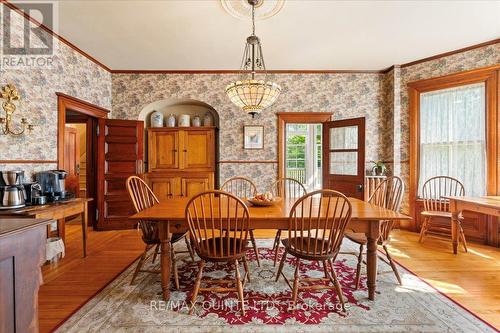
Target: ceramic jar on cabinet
x=156, y=119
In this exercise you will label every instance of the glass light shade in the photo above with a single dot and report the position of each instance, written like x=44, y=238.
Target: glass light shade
x=253, y=96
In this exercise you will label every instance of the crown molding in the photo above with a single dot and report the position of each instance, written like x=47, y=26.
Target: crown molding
x=234, y=71
x=284, y=71
x=445, y=54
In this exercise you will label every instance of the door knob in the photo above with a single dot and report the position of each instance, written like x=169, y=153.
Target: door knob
x=359, y=188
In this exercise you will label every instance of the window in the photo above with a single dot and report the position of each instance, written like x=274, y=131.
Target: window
x=453, y=136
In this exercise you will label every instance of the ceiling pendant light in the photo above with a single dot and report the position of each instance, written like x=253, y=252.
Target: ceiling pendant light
x=253, y=95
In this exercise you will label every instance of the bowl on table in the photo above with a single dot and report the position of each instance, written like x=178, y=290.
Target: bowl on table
x=263, y=200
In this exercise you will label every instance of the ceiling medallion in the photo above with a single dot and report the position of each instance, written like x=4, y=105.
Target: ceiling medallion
x=252, y=94
x=241, y=9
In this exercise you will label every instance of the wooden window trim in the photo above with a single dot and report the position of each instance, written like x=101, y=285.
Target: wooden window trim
x=295, y=117
x=487, y=75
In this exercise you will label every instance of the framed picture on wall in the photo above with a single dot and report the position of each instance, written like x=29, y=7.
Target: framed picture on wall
x=253, y=137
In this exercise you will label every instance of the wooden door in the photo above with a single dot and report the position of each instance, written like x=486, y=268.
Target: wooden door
x=72, y=160
x=344, y=156
x=198, y=149
x=120, y=155
x=193, y=185
x=163, y=150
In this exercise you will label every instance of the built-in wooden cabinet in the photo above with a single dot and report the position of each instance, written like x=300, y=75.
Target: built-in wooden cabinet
x=181, y=161
x=181, y=149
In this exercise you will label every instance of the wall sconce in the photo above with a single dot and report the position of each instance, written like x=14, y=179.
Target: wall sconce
x=10, y=94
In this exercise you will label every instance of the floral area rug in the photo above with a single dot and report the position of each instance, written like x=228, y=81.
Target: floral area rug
x=413, y=307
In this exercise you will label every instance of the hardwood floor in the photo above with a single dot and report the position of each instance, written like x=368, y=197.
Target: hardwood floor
x=472, y=279
x=73, y=280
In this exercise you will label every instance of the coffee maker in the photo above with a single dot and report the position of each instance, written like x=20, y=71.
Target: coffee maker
x=52, y=184
x=12, y=193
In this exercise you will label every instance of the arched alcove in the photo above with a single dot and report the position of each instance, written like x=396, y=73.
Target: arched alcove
x=177, y=107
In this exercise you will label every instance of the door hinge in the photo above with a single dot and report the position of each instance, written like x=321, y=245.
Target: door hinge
x=96, y=214
x=97, y=130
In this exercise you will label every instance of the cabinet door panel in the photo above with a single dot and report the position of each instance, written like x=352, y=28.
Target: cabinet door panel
x=163, y=150
x=198, y=150
x=164, y=187
x=191, y=186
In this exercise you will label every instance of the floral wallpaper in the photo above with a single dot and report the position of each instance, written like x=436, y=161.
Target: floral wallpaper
x=72, y=74
x=346, y=95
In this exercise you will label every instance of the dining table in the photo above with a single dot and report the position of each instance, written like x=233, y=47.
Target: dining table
x=488, y=205
x=365, y=218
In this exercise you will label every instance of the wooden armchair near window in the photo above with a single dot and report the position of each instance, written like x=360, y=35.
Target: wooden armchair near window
x=143, y=197
x=285, y=188
x=316, y=229
x=218, y=223
x=243, y=188
x=436, y=205
x=388, y=194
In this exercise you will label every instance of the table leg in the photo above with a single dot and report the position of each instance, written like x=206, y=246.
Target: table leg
x=371, y=259
x=454, y=231
x=85, y=217
x=61, y=229
x=165, y=259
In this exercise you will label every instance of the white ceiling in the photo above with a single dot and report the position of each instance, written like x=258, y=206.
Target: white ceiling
x=305, y=34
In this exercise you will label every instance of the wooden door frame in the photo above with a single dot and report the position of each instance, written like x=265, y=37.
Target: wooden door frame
x=87, y=113
x=295, y=118
x=69, y=103
x=488, y=75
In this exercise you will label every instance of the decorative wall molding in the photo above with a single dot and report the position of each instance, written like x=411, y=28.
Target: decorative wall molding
x=28, y=161
x=248, y=162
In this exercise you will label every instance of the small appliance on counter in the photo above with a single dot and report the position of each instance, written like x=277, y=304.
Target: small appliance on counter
x=33, y=194
x=52, y=185
x=11, y=189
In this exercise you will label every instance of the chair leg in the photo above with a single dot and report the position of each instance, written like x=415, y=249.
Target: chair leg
x=282, y=263
x=189, y=247
x=325, y=269
x=296, y=281
x=358, y=267
x=337, y=285
x=196, y=287
x=277, y=237
x=423, y=230
x=239, y=286
x=462, y=237
x=247, y=271
x=393, y=265
x=140, y=263
x=157, y=248
x=174, y=267
x=276, y=247
x=254, y=244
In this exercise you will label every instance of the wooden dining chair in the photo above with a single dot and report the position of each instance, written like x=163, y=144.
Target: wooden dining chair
x=316, y=226
x=143, y=197
x=434, y=191
x=243, y=188
x=218, y=225
x=285, y=188
x=388, y=194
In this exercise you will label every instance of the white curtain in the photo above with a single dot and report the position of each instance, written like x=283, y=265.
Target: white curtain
x=453, y=136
